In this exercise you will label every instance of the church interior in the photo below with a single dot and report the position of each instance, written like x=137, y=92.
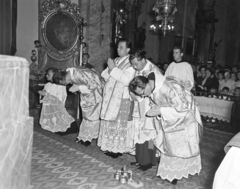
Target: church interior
x=43, y=34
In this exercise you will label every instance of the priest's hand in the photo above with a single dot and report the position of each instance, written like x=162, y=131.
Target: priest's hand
x=74, y=89
x=155, y=111
x=111, y=64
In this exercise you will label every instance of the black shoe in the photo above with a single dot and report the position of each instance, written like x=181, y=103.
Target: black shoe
x=134, y=164
x=87, y=143
x=116, y=155
x=77, y=140
x=108, y=153
x=174, y=182
x=145, y=167
x=113, y=155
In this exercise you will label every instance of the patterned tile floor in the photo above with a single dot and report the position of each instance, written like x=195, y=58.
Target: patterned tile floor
x=59, y=163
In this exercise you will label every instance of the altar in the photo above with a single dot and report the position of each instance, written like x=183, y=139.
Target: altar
x=215, y=108
x=16, y=126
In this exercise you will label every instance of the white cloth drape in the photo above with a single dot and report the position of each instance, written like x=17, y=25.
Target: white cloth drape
x=227, y=175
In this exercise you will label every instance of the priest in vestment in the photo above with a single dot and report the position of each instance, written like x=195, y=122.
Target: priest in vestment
x=180, y=69
x=144, y=127
x=115, y=131
x=90, y=85
x=180, y=124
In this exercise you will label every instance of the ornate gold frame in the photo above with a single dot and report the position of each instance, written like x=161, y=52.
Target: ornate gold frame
x=52, y=9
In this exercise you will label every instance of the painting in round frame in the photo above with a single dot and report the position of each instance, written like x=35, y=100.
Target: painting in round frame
x=61, y=31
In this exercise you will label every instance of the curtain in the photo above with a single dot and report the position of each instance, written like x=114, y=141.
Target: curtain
x=14, y=27
x=8, y=25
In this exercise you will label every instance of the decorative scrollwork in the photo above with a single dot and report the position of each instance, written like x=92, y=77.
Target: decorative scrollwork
x=62, y=26
x=60, y=5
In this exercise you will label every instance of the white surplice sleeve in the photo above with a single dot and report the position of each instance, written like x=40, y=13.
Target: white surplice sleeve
x=123, y=76
x=189, y=82
x=105, y=75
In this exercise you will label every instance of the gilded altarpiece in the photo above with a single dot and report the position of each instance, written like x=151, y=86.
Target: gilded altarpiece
x=60, y=34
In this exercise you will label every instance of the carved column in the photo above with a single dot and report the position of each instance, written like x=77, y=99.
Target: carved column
x=97, y=33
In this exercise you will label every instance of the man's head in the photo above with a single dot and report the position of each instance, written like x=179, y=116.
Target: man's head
x=138, y=60
x=234, y=69
x=177, y=54
x=225, y=90
x=165, y=66
x=202, y=70
x=220, y=75
x=213, y=91
x=85, y=57
x=237, y=91
x=124, y=47
x=227, y=74
x=216, y=72
x=49, y=73
x=62, y=78
x=233, y=76
x=238, y=75
x=140, y=86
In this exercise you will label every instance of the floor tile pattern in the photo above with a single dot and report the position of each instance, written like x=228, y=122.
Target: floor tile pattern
x=60, y=163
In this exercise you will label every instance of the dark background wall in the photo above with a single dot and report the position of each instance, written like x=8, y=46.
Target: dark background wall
x=227, y=30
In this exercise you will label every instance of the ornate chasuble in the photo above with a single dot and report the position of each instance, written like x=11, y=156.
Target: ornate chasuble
x=113, y=92
x=180, y=119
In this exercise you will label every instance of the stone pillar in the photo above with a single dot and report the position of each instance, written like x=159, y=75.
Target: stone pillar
x=232, y=27
x=97, y=33
x=16, y=127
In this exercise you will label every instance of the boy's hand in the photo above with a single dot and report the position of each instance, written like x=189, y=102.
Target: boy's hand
x=42, y=93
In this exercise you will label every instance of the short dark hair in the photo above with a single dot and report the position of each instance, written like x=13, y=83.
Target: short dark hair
x=137, y=53
x=180, y=48
x=86, y=54
x=237, y=88
x=221, y=72
x=225, y=88
x=202, y=66
x=128, y=43
x=138, y=82
x=227, y=71
x=52, y=69
x=59, y=76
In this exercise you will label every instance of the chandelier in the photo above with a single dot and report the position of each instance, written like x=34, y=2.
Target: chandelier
x=165, y=13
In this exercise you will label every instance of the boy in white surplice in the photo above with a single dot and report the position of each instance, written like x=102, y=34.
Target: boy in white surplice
x=54, y=116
